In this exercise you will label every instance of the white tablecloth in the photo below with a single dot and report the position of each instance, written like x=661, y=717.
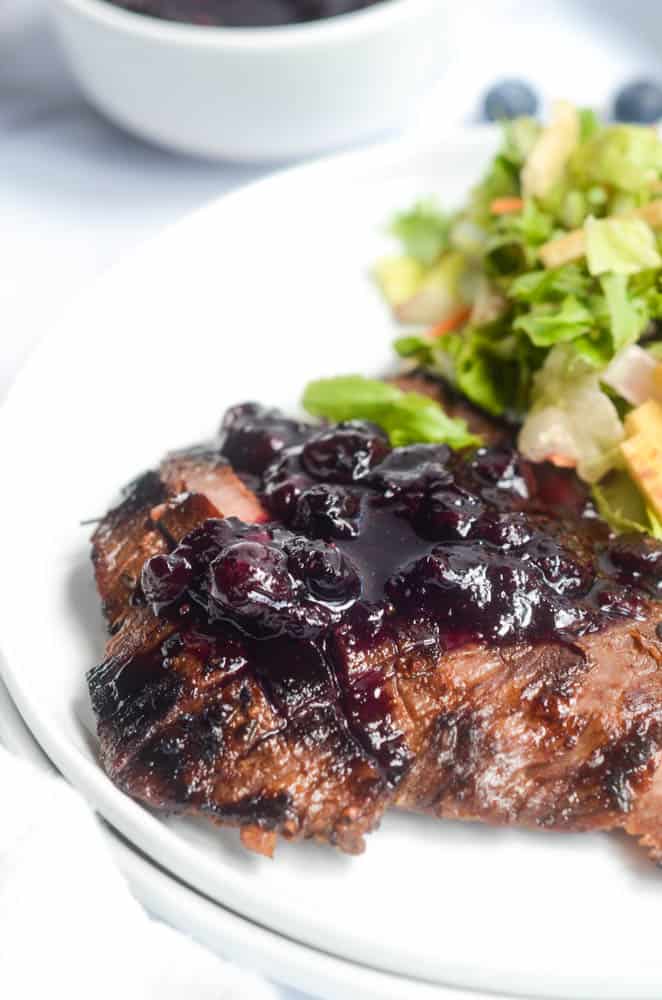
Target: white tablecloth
x=76, y=193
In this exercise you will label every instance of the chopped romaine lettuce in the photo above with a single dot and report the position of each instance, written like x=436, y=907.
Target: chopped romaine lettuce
x=519, y=137
x=620, y=246
x=625, y=157
x=423, y=231
x=571, y=419
x=551, y=286
x=622, y=506
x=407, y=417
x=628, y=316
x=548, y=323
x=589, y=123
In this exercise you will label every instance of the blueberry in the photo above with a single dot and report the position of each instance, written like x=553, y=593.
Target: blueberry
x=325, y=571
x=639, y=102
x=206, y=541
x=165, y=578
x=504, y=531
x=509, y=99
x=449, y=512
x=250, y=579
x=619, y=600
x=284, y=482
x=413, y=469
x=327, y=512
x=501, y=467
x=637, y=559
x=345, y=453
x=252, y=437
x=564, y=573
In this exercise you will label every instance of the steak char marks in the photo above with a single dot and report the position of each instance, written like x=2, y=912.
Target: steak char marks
x=441, y=633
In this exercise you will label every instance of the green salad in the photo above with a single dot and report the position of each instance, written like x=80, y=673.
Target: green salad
x=540, y=301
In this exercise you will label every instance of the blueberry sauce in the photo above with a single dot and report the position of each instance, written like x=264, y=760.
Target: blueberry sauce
x=244, y=13
x=370, y=543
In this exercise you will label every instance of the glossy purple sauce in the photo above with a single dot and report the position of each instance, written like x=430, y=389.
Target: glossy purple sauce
x=367, y=541
x=467, y=539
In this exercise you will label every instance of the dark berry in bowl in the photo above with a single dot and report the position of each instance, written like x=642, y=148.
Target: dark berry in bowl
x=639, y=102
x=345, y=453
x=509, y=99
x=243, y=13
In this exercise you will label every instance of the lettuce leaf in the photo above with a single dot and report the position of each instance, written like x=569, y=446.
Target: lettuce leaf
x=407, y=417
x=551, y=286
x=622, y=506
x=621, y=246
x=548, y=324
x=519, y=138
x=628, y=316
x=491, y=365
x=423, y=231
x=501, y=180
x=625, y=157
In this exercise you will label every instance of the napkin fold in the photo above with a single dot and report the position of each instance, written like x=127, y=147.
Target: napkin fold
x=69, y=926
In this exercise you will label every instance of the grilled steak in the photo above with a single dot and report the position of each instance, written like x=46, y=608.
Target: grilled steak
x=449, y=634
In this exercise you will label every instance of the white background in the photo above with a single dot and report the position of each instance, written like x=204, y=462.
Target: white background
x=76, y=193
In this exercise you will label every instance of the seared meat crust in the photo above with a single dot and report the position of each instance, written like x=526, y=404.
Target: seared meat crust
x=553, y=735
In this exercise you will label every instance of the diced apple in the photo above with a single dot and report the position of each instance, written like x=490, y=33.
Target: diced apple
x=643, y=451
x=438, y=294
x=646, y=419
x=399, y=278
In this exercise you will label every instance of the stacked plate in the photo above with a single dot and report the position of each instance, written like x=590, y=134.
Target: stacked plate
x=248, y=299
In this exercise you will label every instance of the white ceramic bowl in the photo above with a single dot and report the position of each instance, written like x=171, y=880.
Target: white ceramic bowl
x=256, y=94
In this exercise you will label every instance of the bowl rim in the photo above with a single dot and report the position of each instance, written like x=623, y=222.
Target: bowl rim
x=384, y=15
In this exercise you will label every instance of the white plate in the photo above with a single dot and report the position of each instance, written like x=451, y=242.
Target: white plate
x=223, y=932
x=250, y=298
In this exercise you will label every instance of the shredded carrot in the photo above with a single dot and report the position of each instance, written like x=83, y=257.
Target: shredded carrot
x=506, y=206
x=450, y=322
